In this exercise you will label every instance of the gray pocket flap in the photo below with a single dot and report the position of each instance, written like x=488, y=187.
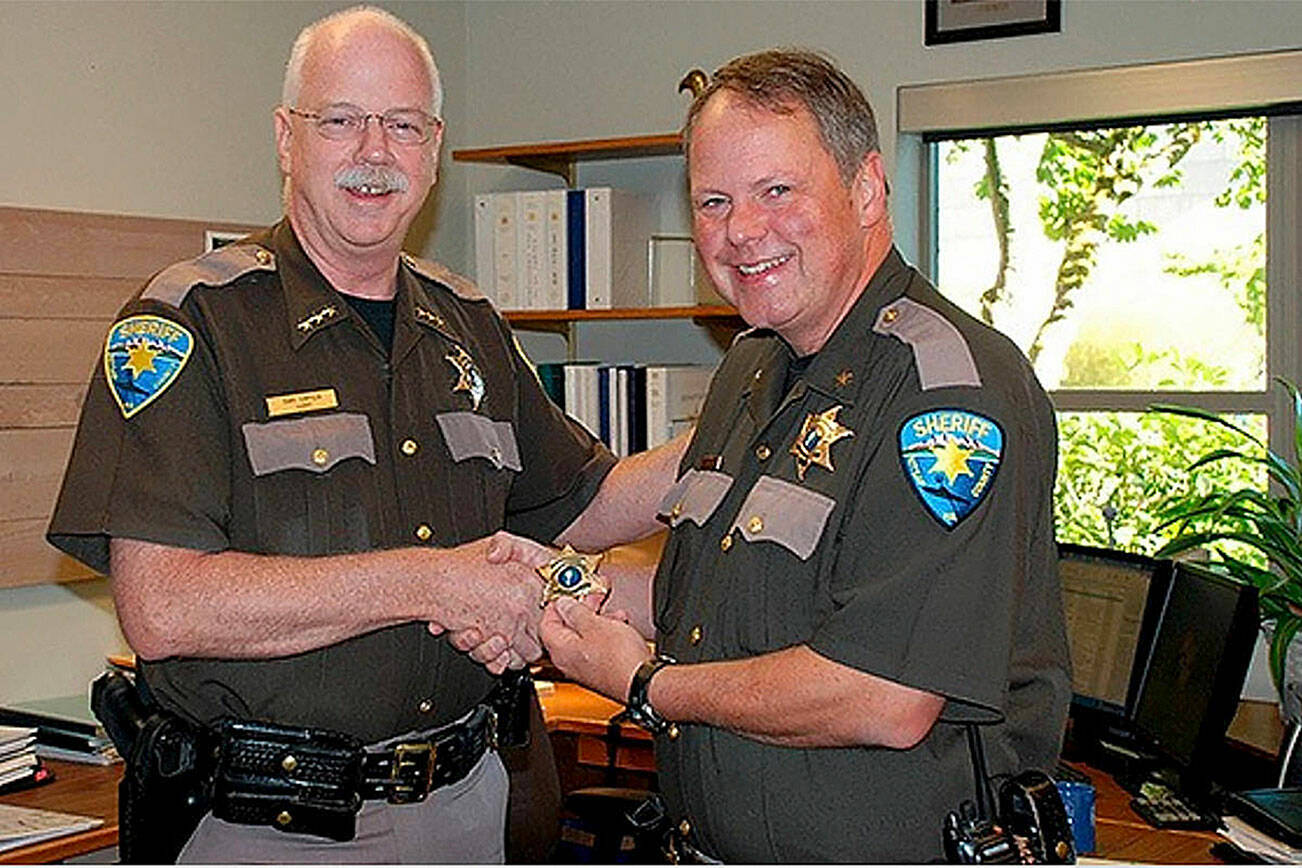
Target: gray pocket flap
x=314, y=443
x=782, y=512
x=695, y=496
x=470, y=435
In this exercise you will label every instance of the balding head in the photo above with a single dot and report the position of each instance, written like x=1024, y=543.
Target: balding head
x=334, y=27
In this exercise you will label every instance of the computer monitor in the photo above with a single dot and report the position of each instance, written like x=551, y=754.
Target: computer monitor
x=1189, y=691
x=1113, y=602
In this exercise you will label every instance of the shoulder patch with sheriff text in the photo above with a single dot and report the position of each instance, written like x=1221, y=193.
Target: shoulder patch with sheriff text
x=950, y=458
x=143, y=355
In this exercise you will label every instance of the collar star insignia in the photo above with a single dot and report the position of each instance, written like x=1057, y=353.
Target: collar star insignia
x=845, y=378
x=429, y=317
x=570, y=574
x=469, y=380
x=316, y=319
x=814, y=445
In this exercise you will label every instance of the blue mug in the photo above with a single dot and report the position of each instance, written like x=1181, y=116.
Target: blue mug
x=1078, y=799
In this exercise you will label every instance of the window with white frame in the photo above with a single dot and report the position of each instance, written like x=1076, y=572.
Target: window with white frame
x=1134, y=263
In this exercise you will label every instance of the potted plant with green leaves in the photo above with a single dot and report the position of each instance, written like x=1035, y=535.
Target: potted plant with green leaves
x=1254, y=536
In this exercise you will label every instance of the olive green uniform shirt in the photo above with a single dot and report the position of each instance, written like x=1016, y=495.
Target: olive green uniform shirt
x=289, y=430
x=834, y=547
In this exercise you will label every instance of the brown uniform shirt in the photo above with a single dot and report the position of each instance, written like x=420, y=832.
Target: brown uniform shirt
x=287, y=429
x=797, y=520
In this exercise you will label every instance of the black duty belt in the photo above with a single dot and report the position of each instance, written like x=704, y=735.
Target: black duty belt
x=311, y=780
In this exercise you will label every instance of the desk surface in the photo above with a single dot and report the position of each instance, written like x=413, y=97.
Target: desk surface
x=76, y=789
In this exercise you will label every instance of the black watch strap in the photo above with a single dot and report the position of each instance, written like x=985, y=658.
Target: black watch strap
x=639, y=707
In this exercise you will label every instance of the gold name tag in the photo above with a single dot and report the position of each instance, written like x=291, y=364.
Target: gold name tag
x=301, y=402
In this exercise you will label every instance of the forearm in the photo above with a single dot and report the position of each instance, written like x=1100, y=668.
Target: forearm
x=178, y=602
x=795, y=698
x=625, y=507
x=630, y=579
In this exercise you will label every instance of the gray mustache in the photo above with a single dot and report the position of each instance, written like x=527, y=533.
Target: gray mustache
x=379, y=179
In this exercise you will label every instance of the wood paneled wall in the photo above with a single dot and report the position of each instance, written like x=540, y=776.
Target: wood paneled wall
x=63, y=276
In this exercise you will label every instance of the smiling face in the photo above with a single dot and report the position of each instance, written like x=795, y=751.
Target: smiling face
x=346, y=199
x=785, y=240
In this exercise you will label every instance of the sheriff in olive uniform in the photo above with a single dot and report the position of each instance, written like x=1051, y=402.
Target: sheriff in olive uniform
x=862, y=502
x=862, y=558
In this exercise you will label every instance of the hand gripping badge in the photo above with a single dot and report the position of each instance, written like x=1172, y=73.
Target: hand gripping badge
x=950, y=458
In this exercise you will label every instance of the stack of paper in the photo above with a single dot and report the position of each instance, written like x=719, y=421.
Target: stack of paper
x=18, y=761
x=1254, y=841
x=22, y=826
x=65, y=729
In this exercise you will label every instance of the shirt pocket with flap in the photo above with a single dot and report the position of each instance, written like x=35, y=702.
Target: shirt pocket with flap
x=784, y=513
x=485, y=458
x=773, y=574
x=694, y=497
x=314, y=488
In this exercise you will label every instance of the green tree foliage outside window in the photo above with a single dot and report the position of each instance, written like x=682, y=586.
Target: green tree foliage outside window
x=1128, y=259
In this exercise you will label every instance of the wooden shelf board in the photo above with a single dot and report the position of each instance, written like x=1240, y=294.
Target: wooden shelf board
x=622, y=147
x=564, y=316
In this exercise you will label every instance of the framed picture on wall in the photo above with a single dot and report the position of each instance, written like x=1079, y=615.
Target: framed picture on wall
x=214, y=238
x=966, y=20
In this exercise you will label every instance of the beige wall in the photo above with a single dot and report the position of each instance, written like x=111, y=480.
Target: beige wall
x=162, y=109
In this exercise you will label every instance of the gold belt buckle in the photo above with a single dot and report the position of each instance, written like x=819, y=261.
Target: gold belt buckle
x=412, y=772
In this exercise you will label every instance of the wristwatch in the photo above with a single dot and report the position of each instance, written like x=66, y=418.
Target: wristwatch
x=639, y=706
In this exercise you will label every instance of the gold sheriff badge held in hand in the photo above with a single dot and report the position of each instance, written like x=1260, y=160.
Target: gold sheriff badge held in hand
x=571, y=574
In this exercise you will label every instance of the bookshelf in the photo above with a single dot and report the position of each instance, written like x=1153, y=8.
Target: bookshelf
x=562, y=158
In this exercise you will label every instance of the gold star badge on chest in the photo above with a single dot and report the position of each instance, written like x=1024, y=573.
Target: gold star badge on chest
x=814, y=445
x=570, y=574
x=469, y=380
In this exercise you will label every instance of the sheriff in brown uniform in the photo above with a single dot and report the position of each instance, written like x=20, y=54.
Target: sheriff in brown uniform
x=290, y=463
x=862, y=555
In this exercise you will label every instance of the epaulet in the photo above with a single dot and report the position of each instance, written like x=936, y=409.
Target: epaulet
x=214, y=268
x=940, y=352
x=461, y=286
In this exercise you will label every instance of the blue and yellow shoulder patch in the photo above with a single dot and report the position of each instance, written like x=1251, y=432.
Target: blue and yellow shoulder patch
x=950, y=458
x=143, y=355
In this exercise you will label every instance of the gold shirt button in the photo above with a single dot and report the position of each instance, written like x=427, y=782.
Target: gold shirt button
x=755, y=525
x=677, y=510
x=685, y=828
x=762, y=452
x=409, y=447
x=284, y=818
x=425, y=706
x=726, y=542
x=423, y=533
x=890, y=315
x=263, y=256
x=289, y=763
x=672, y=732
x=695, y=636
x=320, y=457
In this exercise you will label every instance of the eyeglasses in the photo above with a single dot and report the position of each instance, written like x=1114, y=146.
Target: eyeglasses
x=344, y=123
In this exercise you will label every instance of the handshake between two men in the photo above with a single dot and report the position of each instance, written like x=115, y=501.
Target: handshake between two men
x=597, y=638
